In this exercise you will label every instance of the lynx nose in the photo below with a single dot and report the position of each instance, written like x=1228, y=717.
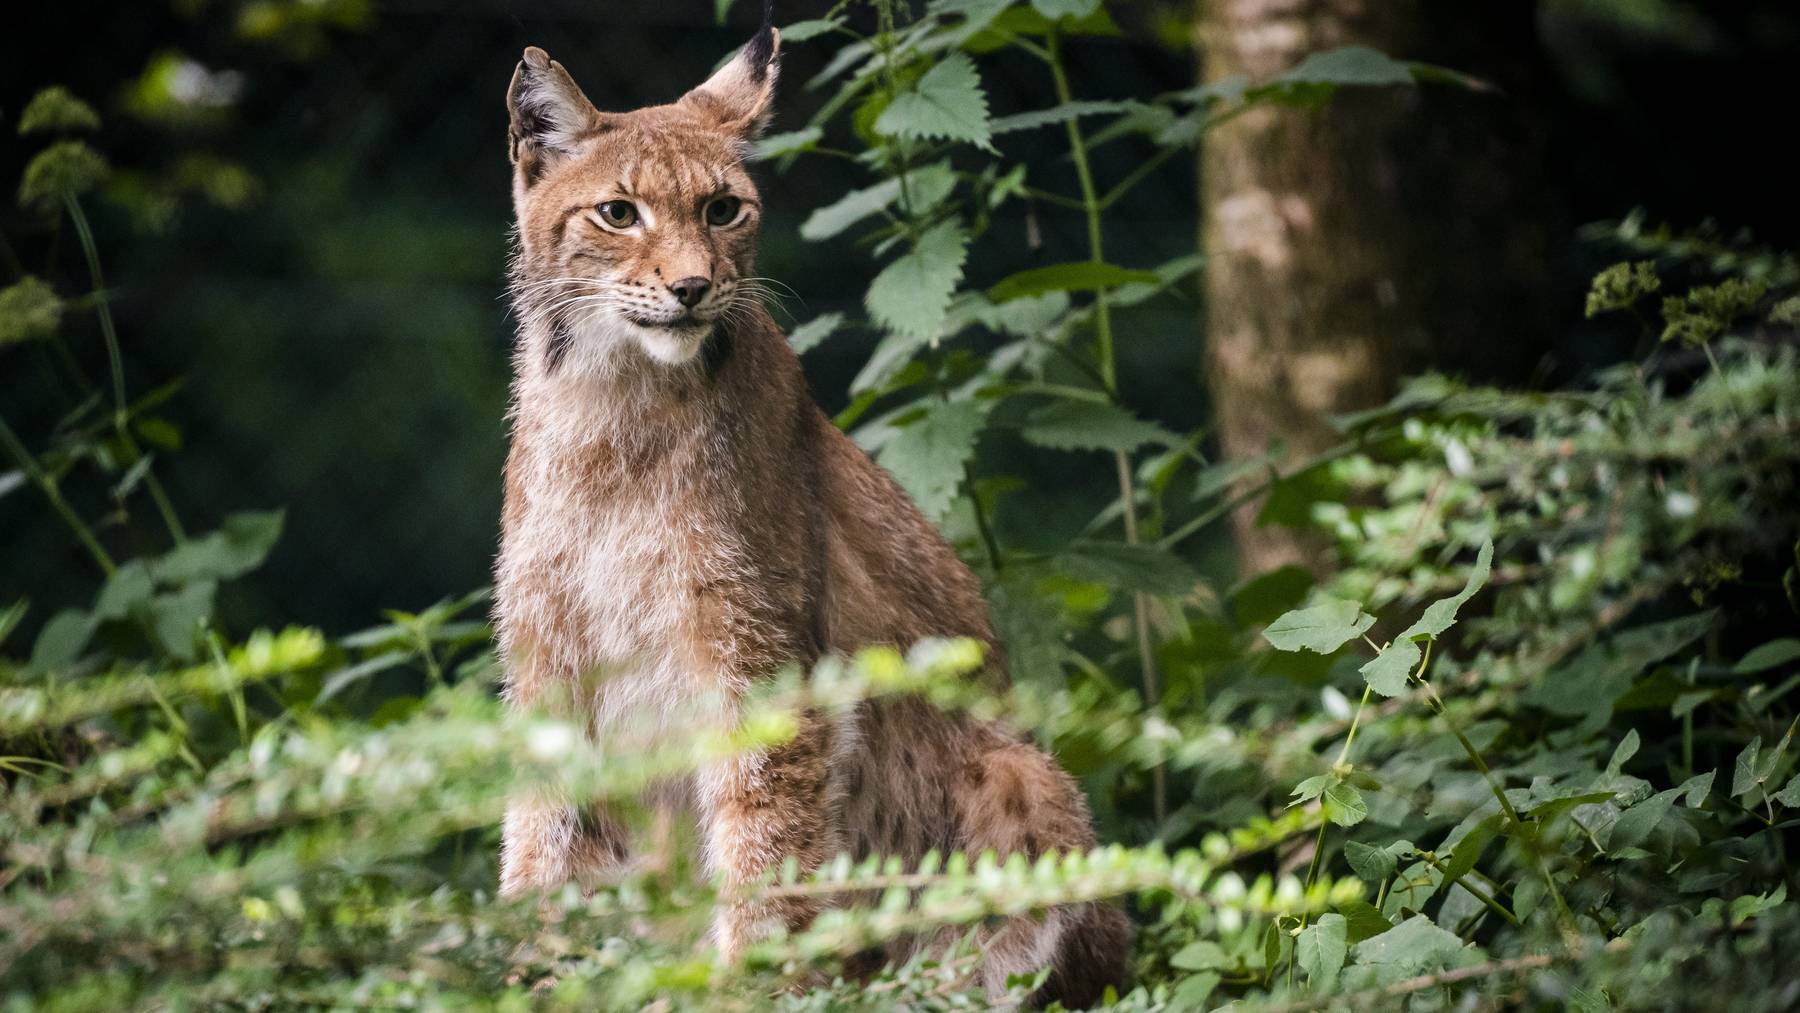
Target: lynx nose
x=690, y=290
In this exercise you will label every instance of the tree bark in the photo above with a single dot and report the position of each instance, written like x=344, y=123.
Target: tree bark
x=1394, y=231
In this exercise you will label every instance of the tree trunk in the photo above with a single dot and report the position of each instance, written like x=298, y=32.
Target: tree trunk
x=1394, y=231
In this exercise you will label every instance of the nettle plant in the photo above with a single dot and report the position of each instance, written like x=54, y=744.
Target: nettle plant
x=958, y=353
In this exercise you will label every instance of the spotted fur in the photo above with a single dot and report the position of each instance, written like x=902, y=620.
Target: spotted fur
x=681, y=520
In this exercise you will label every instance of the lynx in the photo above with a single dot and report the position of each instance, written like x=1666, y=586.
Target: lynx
x=681, y=516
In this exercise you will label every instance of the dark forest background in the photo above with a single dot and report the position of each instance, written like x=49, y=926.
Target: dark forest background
x=329, y=281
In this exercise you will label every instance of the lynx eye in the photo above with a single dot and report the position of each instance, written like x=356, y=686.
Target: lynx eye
x=723, y=211
x=618, y=214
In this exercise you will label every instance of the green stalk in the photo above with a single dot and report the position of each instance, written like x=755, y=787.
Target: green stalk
x=1479, y=894
x=1103, y=332
x=29, y=465
x=121, y=415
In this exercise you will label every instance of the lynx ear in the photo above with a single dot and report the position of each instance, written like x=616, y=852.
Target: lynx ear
x=740, y=94
x=550, y=115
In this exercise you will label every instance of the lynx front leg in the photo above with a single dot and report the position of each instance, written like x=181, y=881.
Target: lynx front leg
x=546, y=842
x=759, y=810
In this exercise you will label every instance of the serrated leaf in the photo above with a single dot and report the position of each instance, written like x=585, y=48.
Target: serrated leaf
x=1412, y=947
x=128, y=588
x=1440, y=615
x=800, y=31
x=927, y=456
x=1323, y=628
x=849, y=209
x=1760, y=659
x=1354, y=65
x=1145, y=568
x=1372, y=864
x=1344, y=804
x=1633, y=827
x=792, y=142
x=1363, y=920
x=29, y=309
x=1090, y=425
x=1204, y=955
x=1073, y=276
x=912, y=295
x=178, y=618
x=946, y=103
x=1060, y=114
x=813, y=333
x=1387, y=672
x=1321, y=949
x=1310, y=788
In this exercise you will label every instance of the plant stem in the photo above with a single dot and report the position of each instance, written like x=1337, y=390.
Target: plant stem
x=1479, y=894
x=109, y=331
x=1090, y=201
x=29, y=465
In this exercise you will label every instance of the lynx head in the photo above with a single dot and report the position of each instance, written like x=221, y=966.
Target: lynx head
x=637, y=230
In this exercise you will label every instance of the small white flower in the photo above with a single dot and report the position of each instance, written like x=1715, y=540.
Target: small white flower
x=1457, y=457
x=1336, y=704
x=1681, y=504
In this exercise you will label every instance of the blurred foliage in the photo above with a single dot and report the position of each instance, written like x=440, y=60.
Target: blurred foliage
x=1532, y=745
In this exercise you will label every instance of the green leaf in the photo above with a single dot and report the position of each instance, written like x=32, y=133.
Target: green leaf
x=813, y=333
x=792, y=142
x=62, y=639
x=1373, y=864
x=178, y=618
x=64, y=169
x=1634, y=826
x=1415, y=946
x=1760, y=659
x=1058, y=9
x=1310, y=788
x=1626, y=749
x=1323, y=628
x=29, y=309
x=1145, y=568
x=1788, y=796
x=1747, y=907
x=800, y=31
x=1204, y=955
x=1696, y=788
x=927, y=456
x=1090, y=425
x=849, y=209
x=1344, y=804
x=57, y=109
x=1441, y=615
x=1073, y=276
x=1743, y=772
x=947, y=103
x=1364, y=922
x=1321, y=949
x=1388, y=672
x=1353, y=65
x=1060, y=114
x=12, y=616
x=126, y=590
x=239, y=546
x=912, y=295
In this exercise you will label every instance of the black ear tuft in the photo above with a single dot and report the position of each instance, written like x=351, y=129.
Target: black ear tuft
x=760, y=50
